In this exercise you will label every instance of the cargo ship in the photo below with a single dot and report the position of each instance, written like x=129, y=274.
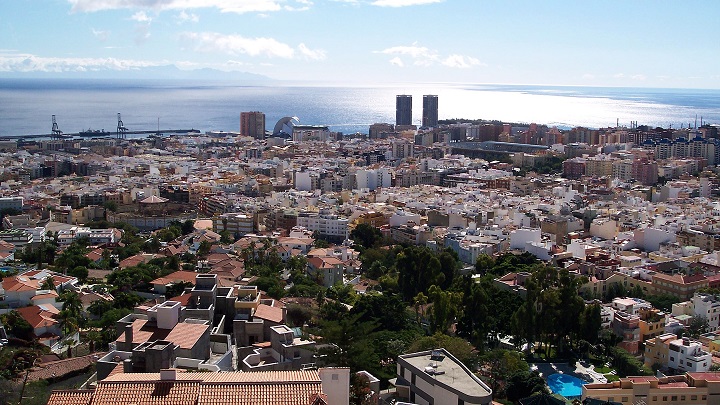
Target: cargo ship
x=93, y=132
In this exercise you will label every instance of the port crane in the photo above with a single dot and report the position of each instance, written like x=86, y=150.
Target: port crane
x=121, y=129
x=56, y=132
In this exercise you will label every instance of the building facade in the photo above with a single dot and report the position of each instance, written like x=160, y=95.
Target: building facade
x=252, y=124
x=403, y=110
x=430, y=111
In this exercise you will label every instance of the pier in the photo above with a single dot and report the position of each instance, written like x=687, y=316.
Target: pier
x=101, y=134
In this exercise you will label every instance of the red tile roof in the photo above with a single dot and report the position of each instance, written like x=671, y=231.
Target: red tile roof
x=183, y=334
x=257, y=388
x=71, y=397
x=158, y=392
x=60, y=368
x=176, y=277
x=268, y=313
x=38, y=316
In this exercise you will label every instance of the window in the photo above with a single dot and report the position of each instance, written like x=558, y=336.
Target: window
x=673, y=398
x=624, y=399
x=682, y=397
x=672, y=358
x=693, y=397
x=461, y=402
x=412, y=379
x=664, y=398
x=335, y=377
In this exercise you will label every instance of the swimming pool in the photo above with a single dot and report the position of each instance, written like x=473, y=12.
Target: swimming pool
x=565, y=385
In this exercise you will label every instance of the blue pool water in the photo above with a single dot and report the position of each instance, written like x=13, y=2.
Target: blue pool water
x=565, y=385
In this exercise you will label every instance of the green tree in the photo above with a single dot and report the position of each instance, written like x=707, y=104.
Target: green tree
x=522, y=384
x=48, y=284
x=697, y=326
x=590, y=323
x=177, y=289
x=484, y=264
x=110, y=206
x=17, y=325
x=204, y=249
x=445, y=307
x=458, y=347
x=663, y=302
x=500, y=365
x=226, y=237
x=345, y=342
x=388, y=311
x=366, y=236
x=80, y=272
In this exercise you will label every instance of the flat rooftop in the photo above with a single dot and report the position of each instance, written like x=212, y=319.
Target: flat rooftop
x=447, y=370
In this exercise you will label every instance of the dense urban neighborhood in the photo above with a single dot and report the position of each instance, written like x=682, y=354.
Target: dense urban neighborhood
x=459, y=262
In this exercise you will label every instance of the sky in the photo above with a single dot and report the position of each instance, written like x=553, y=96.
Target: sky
x=624, y=43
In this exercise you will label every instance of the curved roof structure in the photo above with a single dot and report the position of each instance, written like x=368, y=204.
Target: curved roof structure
x=285, y=125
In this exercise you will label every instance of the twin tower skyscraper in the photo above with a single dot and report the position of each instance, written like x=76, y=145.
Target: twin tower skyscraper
x=403, y=110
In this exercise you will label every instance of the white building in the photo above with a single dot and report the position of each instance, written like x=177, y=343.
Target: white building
x=95, y=236
x=437, y=377
x=373, y=179
x=701, y=305
x=687, y=355
x=235, y=223
x=519, y=238
x=326, y=224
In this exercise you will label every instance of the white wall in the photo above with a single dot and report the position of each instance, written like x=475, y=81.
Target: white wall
x=336, y=384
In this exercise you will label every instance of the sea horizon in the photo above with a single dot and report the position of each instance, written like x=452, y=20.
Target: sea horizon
x=27, y=104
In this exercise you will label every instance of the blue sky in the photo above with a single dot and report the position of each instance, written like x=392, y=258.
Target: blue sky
x=598, y=43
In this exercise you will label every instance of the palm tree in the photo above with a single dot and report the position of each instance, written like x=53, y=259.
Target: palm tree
x=72, y=306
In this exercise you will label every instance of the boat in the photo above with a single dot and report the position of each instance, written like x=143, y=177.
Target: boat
x=93, y=132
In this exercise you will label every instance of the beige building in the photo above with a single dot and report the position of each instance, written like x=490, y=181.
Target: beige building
x=690, y=388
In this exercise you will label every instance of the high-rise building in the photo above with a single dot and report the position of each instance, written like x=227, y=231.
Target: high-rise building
x=252, y=124
x=403, y=110
x=430, y=111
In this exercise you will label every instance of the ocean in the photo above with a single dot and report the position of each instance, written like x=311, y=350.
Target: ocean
x=26, y=105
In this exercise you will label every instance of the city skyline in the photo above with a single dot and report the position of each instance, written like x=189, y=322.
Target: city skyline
x=613, y=43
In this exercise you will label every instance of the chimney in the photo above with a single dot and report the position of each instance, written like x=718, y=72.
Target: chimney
x=128, y=337
x=127, y=366
x=169, y=374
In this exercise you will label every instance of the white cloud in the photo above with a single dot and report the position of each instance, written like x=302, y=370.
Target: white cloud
x=588, y=76
x=396, y=61
x=100, y=35
x=316, y=54
x=422, y=56
x=619, y=75
x=141, y=17
x=460, y=61
x=413, y=51
x=237, y=44
x=638, y=77
x=402, y=3
x=31, y=63
x=184, y=17
x=226, y=6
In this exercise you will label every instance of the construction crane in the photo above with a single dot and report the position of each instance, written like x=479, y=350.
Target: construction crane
x=121, y=129
x=56, y=132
